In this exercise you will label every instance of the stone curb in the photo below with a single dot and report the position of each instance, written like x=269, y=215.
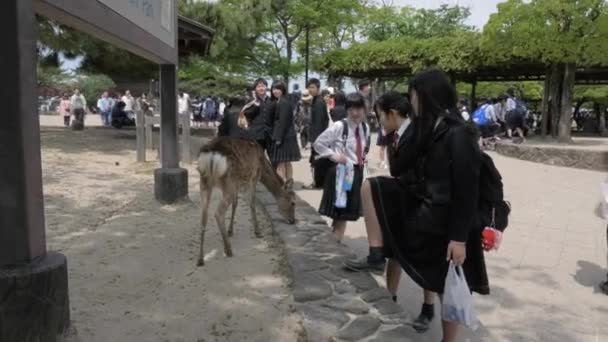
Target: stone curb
x=575, y=158
x=336, y=305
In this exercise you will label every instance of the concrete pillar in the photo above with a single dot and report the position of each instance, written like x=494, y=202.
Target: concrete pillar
x=170, y=181
x=33, y=283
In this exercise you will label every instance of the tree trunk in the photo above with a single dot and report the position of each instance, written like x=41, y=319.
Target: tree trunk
x=473, y=103
x=286, y=73
x=545, y=106
x=565, y=120
x=601, y=119
x=556, y=81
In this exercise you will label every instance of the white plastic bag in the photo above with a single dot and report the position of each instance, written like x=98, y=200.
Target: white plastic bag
x=457, y=299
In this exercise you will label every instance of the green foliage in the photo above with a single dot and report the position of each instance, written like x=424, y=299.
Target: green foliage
x=389, y=22
x=198, y=76
x=454, y=54
x=528, y=90
x=91, y=85
x=548, y=31
x=591, y=93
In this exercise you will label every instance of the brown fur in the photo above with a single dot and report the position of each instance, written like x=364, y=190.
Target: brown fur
x=246, y=165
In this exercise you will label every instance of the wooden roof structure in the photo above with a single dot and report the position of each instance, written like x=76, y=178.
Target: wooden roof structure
x=193, y=37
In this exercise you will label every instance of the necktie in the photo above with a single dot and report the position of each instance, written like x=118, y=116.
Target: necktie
x=395, y=139
x=359, y=150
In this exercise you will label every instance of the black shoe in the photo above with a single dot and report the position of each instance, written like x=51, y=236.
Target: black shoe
x=422, y=323
x=364, y=265
x=604, y=287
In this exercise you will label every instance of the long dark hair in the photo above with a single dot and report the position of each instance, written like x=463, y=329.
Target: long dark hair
x=280, y=85
x=393, y=101
x=437, y=98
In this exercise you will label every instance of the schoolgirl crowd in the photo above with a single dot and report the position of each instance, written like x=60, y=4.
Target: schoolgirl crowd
x=422, y=219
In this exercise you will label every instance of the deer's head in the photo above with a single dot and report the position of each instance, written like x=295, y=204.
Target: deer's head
x=287, y=202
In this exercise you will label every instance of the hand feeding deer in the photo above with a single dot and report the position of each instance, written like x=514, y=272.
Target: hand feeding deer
x=236, y=165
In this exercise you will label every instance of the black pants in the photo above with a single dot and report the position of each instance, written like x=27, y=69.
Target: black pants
x=66, y=121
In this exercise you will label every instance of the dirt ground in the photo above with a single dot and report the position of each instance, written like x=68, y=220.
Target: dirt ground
x=132, y=261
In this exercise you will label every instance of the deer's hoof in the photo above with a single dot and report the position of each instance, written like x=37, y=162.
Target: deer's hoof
x=200, y=263
x=230, y=234
x=229, y=253
x=259, y=235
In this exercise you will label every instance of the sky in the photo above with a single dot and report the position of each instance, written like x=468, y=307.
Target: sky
x=480, y=13
x=480, y=9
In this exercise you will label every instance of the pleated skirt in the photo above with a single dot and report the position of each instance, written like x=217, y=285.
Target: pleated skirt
x=288, y=151
x=353, y=210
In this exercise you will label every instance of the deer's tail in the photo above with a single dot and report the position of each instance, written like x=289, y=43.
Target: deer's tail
x=212, y=165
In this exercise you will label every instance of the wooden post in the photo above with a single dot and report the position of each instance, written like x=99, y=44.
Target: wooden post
x=186, y=140
x=170, y=181
x=34, y=302
x=149, y=123
x=140, y=132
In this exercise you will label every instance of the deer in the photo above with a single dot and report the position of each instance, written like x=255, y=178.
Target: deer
x=236, y=165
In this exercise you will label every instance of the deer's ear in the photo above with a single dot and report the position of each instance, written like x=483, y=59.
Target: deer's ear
x=288, y=184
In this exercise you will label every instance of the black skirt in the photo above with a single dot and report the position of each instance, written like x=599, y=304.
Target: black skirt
x=421, y=254
x=353, y=210
x=288, y=151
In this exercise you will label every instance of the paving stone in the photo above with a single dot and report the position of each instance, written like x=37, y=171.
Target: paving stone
x=396, y=319
x=302, y=262
x=359, y=328
x=293, y=238
x=344, y=287
x=354, y=306
x=329, y=275
x=399, y=334
x=313, y=311
x=363, y=281
x=387, y=307
x=310, y=286
x=375, y=295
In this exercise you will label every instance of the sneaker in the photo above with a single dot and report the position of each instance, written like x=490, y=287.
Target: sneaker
x=363, y=265
x=422, y=323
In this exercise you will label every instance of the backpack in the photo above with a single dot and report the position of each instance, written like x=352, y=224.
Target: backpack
x=493, y=209
x=345, y=135
x=209, y=108
x=480, y=117
x=521, y=107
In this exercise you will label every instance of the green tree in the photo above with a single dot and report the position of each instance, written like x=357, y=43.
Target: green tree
x=561, y=34
x=387, y=22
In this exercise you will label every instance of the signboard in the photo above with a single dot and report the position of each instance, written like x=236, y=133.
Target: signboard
x=154, y=16
x=147, y=28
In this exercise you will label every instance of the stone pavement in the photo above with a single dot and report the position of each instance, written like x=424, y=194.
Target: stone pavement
x=544, y=278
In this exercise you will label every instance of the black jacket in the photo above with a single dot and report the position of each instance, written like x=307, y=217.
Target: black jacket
x=258, y=120
x=448, y=175
x=402, y=158
x=283, y=122
x=229, y=125
x=319, y=120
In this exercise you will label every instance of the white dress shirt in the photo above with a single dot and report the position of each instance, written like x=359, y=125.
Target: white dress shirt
x=404, y=125
x=330, y=141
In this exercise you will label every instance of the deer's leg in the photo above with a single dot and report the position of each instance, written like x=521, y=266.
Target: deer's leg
x=235, y=203
x=254, y=217
x=220, y=215
x=206, y=192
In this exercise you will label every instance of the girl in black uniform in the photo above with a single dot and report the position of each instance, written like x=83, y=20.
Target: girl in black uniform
x=427, y=216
